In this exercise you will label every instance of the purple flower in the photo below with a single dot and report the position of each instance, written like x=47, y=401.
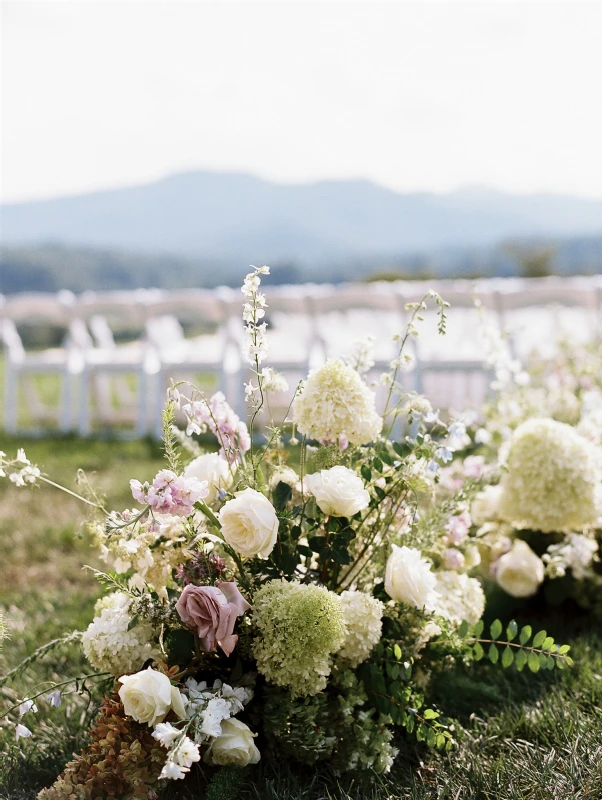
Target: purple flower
x=170, y=493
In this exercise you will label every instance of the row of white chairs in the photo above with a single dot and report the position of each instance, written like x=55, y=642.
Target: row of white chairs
x=107, y=383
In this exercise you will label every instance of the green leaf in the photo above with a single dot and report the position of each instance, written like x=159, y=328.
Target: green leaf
x=377, y=464
x=525, y=634
x=568, y=661
x=463, y=629
x=431, y=714
x=341, y=557
x=386, y=458
x=440, y=741
x=511, y=630
x=431, y=739
x=493, y=654
x=520, y=660
x=477, y=652
x=551, y=662
x=281, y=495
x=366, y=472
x=496, y=629
x=478, y=629
x=533, y=661
x=133, y=622
x=397, y=651
x=398, y=449
x=560, y=663
x=317, y=543
x=564, y=649
x=507, y=656
x=539, y=638
x=547, y=643
x=543, y=661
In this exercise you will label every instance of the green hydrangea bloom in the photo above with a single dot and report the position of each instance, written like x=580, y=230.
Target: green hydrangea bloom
x=300, y=627
x=553, y=479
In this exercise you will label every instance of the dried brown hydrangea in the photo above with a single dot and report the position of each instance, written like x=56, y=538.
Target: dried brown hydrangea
x=122, y=762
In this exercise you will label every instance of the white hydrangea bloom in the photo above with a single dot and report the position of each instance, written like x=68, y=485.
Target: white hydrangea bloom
x=107, y=643
x=363, y=619
x=553, y=480
x=460, y=597
x=335, y=401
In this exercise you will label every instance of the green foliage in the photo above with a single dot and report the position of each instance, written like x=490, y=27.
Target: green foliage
x=386, y=680
x=335, y=725
x=543, y=653
x=226, y=784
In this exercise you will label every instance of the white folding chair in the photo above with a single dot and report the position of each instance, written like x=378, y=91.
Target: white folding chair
x=116, y=377
x=538, y=312
x=210, y=356
x=22, y=365
x=450, y=369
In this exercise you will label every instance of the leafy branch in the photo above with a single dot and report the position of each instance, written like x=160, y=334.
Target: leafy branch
x=542, y=653
x=391, y=694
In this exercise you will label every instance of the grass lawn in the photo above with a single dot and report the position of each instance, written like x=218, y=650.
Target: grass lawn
x=526, y=736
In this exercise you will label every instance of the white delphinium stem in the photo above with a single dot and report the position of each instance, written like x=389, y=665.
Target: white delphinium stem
x=390, y=378
x=255, y=347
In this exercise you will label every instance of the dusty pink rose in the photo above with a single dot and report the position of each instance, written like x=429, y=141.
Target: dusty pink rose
x=212, y=612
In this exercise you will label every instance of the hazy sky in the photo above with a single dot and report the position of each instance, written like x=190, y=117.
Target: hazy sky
x=414, y=95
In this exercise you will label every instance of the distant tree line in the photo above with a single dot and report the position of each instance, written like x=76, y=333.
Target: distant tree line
x=52, y=267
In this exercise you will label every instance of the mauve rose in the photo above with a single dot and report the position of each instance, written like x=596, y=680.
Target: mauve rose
x=212, y=612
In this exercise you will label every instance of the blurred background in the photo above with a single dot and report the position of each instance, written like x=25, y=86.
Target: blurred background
x=151, y=148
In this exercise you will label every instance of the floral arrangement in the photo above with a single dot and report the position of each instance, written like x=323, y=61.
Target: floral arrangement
x=538, y=521
x=288, y=599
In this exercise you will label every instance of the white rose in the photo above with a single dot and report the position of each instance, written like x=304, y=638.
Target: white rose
x=212, y=468
x=519, y=571
x=148, y=696
x=409, y=579
x=249, y=524
x=485, y=505
x=235, y=745
x=339, y=491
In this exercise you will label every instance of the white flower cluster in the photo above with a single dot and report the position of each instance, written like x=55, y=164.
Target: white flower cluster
x=152, y=551
x=255, y=347
x=108, y=644
x=460, y=597
x=20, y=470
x=334, y=402
x=363, y=619
x=553, y=480
x=576, y=553
x=210, y=714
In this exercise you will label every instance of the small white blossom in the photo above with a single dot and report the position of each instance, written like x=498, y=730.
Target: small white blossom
x=21, y=732
x=27, y=705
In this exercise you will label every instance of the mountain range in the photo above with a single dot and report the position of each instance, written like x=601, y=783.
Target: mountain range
x=235, y=219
